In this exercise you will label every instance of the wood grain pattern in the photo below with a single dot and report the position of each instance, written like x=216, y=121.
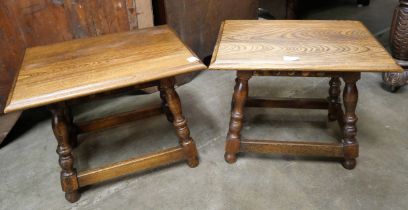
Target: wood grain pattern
x=28, y=23
x=93, y=17
x=318, y=45
x=144, y=13
x=86, y=66
x=44, y=22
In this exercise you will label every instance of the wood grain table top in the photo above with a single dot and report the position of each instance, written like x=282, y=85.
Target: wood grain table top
x=87, y=66
x=299, y=45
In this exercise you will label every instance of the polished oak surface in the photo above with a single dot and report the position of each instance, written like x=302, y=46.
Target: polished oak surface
x=81, y=67
x=296, y=45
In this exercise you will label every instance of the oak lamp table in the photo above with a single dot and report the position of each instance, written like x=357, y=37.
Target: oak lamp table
x=299, y=48
x=56, y=74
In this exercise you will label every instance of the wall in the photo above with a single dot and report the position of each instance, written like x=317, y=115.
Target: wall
x=198, y=22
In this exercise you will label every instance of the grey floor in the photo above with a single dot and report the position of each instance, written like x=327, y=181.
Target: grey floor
x=29, y=173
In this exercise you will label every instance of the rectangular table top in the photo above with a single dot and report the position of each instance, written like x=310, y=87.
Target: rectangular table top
x=87, y=66
x=299, y=45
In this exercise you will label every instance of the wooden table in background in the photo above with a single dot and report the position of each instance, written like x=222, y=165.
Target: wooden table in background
x=335, y=49
x=56, y=74
x=29, y=23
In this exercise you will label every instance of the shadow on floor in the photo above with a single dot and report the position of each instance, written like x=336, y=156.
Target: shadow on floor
x=27, y=121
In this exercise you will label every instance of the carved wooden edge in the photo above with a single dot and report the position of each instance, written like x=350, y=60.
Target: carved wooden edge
x=399, y=47
x=217, y=43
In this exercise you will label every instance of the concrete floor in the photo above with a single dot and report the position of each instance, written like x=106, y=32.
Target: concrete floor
x=29, y=173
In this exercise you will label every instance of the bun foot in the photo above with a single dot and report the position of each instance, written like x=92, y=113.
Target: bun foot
x=230, y=158
x=349, y=164
x=193, y=162
x=72, y=196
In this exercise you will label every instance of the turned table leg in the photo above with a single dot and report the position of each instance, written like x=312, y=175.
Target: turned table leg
x=350, y=98
x=334, y=97
x=179, y=122
x=237, y=115
x=60, y=126
x=165, y=105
